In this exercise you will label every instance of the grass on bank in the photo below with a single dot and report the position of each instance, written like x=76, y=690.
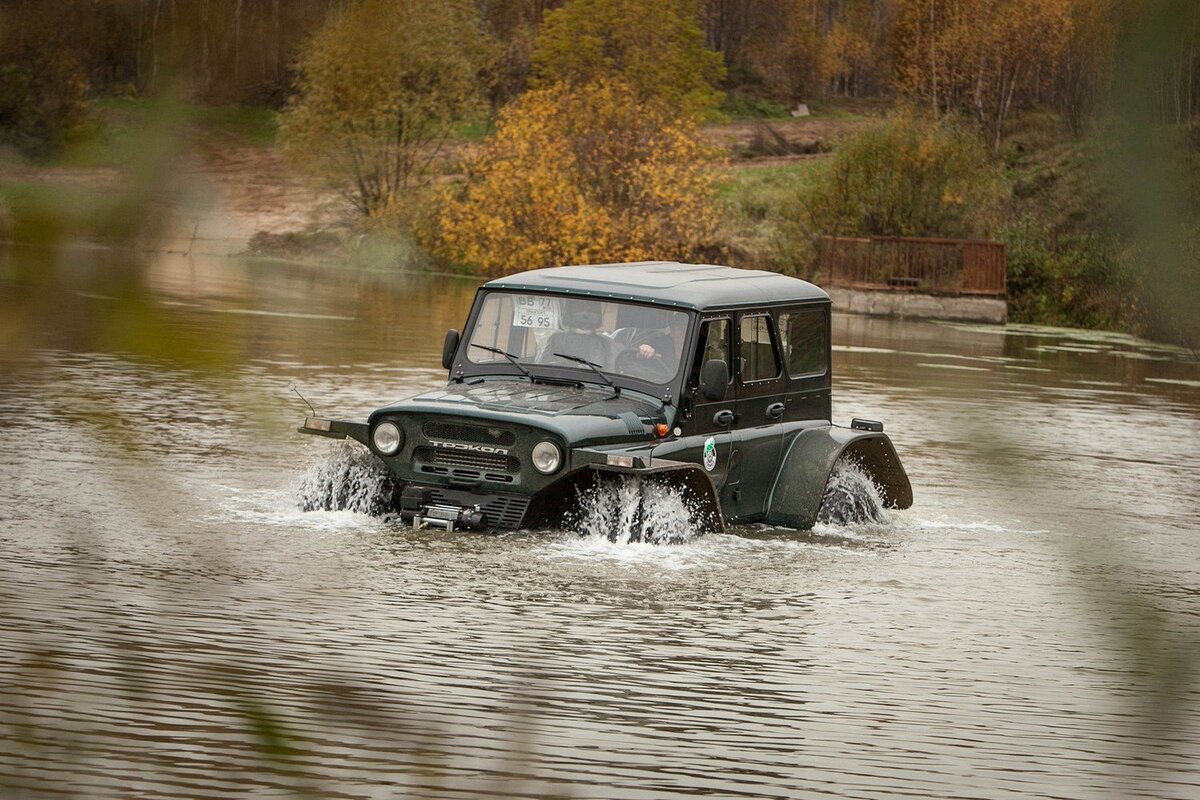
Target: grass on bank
x=757, y=200
x=118, y=124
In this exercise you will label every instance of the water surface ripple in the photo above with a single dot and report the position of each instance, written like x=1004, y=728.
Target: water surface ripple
x=175, y=626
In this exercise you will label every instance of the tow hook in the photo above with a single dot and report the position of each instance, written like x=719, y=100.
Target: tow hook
x=416, y=510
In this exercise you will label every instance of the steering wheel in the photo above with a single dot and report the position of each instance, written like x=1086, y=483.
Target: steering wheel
x=630, y=362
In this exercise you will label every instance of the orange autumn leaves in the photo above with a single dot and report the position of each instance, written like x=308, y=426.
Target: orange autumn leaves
x=601, y=160
x=582, y=174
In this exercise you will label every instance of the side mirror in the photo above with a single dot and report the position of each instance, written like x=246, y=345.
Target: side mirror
x=449, y=347
x=714, y=380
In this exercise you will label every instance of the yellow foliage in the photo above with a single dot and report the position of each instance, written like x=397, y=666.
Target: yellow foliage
x=578, y=175
x=976, y=56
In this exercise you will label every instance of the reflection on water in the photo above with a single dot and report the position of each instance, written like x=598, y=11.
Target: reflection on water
x=175, y=625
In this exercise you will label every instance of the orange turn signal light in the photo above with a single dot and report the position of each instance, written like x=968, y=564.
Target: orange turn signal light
x=662, y=429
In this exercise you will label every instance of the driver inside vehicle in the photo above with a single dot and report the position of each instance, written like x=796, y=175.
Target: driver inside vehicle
x=660, y=344
x=652, y=349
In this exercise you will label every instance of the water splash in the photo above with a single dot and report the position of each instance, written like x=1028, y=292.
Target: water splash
x=348, y=478
x=851, y=497
x=626, y=510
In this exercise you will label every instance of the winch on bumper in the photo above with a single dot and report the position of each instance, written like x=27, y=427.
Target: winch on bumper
x=419, y=508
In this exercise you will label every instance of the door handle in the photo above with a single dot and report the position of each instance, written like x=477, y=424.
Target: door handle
x=775, y=410
x=724, y=418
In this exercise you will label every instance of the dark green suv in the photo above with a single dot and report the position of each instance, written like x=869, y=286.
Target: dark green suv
x=711, y=379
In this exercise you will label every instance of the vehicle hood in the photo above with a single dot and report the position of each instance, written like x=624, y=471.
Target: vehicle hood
x=584, y=414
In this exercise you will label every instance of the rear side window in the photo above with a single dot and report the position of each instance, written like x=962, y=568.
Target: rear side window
x=714, y=345
x=759, y=358
x=805, y=344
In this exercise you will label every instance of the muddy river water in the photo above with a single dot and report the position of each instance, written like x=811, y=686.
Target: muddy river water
x=172, y=625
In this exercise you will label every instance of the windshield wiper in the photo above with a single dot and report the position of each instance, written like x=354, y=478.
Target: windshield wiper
x=594, y=368
x=515, y=362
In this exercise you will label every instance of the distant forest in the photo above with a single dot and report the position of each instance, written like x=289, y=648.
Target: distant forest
x=985, y=57
x=1063, y=128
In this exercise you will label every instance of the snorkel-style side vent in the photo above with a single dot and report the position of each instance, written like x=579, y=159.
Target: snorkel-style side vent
x=632, y=423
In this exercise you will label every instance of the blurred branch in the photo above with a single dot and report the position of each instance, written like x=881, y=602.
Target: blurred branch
x=1158, y=176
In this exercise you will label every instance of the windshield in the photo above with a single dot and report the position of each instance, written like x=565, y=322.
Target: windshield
x=619, y=338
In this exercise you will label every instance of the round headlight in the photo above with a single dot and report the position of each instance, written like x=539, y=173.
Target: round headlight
x=547, y=458
x=387, y=438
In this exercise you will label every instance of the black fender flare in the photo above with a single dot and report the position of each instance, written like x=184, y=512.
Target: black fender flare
x=795, y=497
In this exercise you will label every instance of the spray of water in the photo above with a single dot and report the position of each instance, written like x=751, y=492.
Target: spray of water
x=348, y=478
x=631, y=509
x=851, y=497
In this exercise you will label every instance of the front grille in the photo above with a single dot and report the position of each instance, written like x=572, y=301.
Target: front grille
x=462, y=432
x=502, y=511
x=491, y=462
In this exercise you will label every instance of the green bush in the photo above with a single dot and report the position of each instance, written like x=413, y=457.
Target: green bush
x=744, y=105
x=905, y=176
x=381, y=85
x=1081, y=280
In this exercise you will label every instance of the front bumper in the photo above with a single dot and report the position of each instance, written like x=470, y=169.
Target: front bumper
x=336, y=429
x=461, y=509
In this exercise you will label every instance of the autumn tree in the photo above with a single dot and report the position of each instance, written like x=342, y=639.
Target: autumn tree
x=806, y=48
x=222, y=50
x=979, y=57
x=1085, y=66
x=656, y=47
x=738, y=28
x=854, y=50
x=786, y=56
x=906, y=176
x=1177, y=91
x=582, y=174
x=514, y=24
x=380, y=85
x=43, y=88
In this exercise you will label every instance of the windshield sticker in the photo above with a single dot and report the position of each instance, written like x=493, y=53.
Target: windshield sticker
x=710, y=454
x=535, y=311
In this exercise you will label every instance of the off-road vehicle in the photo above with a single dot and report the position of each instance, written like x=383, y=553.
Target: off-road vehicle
x=711, y=379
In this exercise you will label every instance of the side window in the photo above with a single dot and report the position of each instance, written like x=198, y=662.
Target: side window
x=713, y=345
x=760, y=360
x=803, y=335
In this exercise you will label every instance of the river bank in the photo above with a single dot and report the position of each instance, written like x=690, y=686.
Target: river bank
x=238, y=194
x=227, y=190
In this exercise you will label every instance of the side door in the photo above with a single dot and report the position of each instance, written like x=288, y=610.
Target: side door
x=708, y=428
x=760, y=408
x=804, y=337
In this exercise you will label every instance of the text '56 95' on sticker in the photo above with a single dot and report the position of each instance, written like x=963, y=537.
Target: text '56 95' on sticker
x=710, y=453
x=533, y=311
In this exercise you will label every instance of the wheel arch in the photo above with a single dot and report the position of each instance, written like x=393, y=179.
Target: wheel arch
x=795, y=497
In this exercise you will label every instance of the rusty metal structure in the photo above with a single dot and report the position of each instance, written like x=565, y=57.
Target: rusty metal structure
x=910, y=264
